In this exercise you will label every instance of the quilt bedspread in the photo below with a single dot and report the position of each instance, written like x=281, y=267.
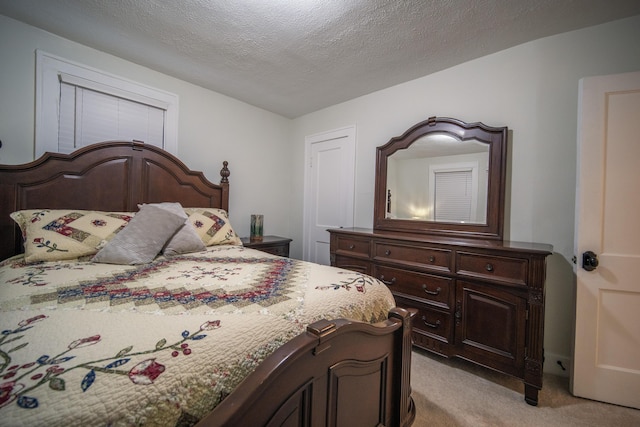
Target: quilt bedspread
x=160, y=343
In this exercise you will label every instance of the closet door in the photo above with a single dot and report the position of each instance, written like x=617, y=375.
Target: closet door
x=329, y=189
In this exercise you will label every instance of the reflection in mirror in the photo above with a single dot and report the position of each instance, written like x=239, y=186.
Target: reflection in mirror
x=439, y=178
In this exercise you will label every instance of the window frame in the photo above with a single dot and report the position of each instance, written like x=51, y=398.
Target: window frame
x=51, y=69
x=468, y=167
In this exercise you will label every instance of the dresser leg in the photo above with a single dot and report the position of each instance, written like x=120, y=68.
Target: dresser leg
x=531, y=395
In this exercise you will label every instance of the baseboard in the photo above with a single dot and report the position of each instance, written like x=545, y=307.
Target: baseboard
x=557, y=364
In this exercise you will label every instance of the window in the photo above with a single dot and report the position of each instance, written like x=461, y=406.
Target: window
x=78, y=106
x=453, y=196
x=453, y=193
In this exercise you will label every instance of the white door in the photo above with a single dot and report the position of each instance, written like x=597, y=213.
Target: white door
x=329, y=189
x=607, y=331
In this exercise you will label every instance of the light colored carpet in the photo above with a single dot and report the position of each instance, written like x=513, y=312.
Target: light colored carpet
x=456, y=393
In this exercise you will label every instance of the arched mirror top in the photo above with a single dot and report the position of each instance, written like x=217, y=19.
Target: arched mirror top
x=443, y=176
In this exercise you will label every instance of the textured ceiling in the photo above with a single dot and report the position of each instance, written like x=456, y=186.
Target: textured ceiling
x=293, y=57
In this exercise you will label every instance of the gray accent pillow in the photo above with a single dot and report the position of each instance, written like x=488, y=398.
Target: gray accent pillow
x=186, y=239
x=144, y=237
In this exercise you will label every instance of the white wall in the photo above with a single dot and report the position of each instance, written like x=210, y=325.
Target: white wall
x=212, y=127
x=532, y=89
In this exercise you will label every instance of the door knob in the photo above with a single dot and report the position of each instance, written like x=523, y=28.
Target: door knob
x=589, y=261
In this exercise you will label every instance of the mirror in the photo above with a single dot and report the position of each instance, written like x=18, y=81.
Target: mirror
x=439, y=178
x=442, y=176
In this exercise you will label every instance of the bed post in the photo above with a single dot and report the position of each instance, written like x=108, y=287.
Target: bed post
x=224, y=183
x=406, y=408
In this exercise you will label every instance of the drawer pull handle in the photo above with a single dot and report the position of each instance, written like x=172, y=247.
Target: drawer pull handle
x=387, y=252
x=431, y=325
x=489, y=267
x=352, y=246
x=427, y=291
x=388, y=282
x=432, y=258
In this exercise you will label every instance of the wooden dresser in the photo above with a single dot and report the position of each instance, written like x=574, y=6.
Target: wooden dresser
x=438, y=243
x=478, y=300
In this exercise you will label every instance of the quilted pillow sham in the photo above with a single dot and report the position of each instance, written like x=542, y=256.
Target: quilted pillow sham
x=144, y=237
x=213, y=226
x=62, y=234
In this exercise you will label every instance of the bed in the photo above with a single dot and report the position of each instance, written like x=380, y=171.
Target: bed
x=203, y=331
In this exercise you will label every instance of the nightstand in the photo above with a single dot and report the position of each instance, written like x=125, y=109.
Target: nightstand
x=275, y=245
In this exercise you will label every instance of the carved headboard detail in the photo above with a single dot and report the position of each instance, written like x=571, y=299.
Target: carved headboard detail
x=108, y=176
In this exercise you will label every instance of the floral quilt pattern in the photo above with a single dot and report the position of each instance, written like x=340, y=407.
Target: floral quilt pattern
x=157, y=344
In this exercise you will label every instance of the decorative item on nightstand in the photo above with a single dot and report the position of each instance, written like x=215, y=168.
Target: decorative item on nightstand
x=256, y=227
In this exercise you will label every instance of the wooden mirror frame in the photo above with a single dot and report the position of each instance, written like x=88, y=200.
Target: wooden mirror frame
x=496, y=137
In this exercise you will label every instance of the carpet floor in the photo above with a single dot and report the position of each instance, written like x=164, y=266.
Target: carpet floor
x=456, y=393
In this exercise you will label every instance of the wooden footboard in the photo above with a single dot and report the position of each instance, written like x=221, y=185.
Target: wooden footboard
x=338, y=373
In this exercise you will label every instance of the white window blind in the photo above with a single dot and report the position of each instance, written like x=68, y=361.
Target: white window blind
x=77, y=105
x=453, y=196
x=88, y=116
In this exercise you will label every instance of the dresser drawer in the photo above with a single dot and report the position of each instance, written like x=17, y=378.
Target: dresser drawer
x=274, y=245
x=501, y=269
x=277, y=250
x=434, y=289
x=429, y=321
x=417, y=256
x=352, y=246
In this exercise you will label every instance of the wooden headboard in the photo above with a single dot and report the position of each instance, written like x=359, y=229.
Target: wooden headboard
x=108, y=176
